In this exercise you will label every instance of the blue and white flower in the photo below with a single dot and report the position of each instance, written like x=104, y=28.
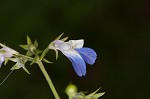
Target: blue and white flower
x=6, y=52
x=76, y=53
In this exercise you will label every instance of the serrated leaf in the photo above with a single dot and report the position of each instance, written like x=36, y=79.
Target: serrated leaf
x=29, y=42
x=46, y=61
x=25, y=47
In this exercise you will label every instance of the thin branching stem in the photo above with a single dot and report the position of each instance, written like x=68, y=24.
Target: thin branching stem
x=48, y=79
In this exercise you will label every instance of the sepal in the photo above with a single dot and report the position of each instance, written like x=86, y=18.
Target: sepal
x=25, y=47
x=36, y=43
x=6, y=61
x=95, y=95
x=64, y=39
x=59, y=36
x=29, y=42
x=46, y=61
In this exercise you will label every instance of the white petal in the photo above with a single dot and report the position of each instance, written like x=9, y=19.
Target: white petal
x=61, y=45
x=77, y=43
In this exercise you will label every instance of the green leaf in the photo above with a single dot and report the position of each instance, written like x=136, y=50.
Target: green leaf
x=29, y=42
x=46, y=61
x=25, y=47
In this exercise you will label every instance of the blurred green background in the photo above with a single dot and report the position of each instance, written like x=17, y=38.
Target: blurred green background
x=118, y=30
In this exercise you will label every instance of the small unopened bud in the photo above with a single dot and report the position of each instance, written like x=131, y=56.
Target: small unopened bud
x=71, y=90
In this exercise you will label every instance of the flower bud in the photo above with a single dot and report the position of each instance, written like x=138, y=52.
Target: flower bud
x=71, y=90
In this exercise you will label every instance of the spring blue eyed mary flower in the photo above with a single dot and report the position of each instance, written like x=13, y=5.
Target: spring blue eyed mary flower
x=76, y=53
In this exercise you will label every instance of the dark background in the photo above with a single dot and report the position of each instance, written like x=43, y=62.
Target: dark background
x=118, y=30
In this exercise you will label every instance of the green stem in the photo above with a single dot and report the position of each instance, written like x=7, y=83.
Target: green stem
x=48, y=79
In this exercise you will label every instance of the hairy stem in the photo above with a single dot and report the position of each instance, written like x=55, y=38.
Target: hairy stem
x=48, y=79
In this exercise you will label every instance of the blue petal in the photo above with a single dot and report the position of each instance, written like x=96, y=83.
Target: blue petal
x=88, y=54
x=77, y=62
